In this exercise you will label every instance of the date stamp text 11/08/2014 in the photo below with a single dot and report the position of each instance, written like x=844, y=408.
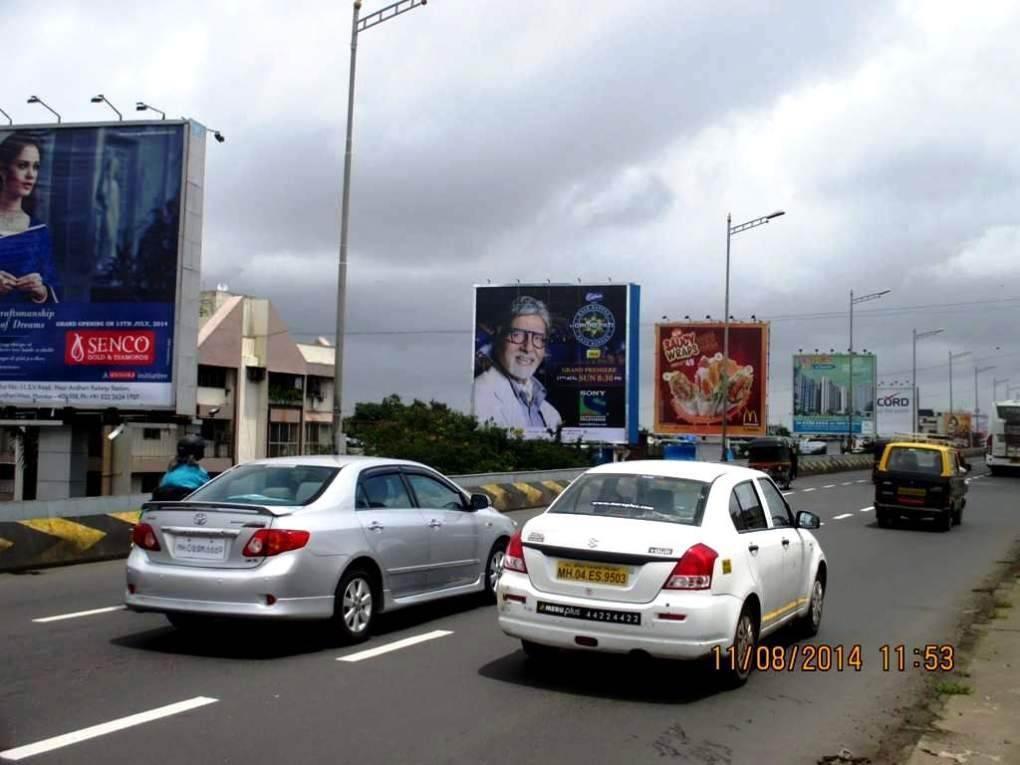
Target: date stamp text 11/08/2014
x=822, y=657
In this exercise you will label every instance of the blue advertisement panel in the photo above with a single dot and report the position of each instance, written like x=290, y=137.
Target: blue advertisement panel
x=554, y=358
x=90, y=223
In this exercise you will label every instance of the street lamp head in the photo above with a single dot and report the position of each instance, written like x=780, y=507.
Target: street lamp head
x=139, y=106
x=33, y=99
x=218, y=136
x=97, y=99
x=775, y=214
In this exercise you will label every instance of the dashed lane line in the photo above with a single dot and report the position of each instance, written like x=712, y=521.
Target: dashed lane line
x=395, y=646
x=841, y=517
x=93, y=612
x=847, y=483
x=75, y=737
x=829, y=486
x=865, y=509
x=812, y=489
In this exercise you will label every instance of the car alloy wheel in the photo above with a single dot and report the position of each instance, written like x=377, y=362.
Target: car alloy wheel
x=817, y=602
x=357, y=605
x=494, y=567
x=745, y=642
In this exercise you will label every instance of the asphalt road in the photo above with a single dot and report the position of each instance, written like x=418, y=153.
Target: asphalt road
x=466, y=694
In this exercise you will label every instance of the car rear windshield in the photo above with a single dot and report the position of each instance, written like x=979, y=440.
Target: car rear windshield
x=905, y=459
x=770, y=453
x=642, y=497
x=273, y=485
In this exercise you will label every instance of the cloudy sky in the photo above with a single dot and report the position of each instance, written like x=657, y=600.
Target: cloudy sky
x=534, y=140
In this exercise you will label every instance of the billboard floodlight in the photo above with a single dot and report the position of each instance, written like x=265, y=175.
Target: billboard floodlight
x=101, y=99
x=37, y=100
x=141, y=106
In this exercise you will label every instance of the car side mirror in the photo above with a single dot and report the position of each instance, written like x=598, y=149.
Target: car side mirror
x=480, y=501
x=806, y=520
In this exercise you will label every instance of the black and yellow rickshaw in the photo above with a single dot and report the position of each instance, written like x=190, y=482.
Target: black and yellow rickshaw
x=776, y=457
x=918, y=480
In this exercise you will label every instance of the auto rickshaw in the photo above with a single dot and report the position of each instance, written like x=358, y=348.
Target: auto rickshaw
x=920, y=480
x=776, y=457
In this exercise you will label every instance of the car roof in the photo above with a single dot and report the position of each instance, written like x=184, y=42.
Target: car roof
x=334, y=460
x=689, y=469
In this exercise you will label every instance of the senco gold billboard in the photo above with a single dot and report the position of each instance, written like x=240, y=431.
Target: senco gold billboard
x=691, y=395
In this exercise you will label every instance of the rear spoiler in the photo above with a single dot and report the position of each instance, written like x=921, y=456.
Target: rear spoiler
x=236, y=507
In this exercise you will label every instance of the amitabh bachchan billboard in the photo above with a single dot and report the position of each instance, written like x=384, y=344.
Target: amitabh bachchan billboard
x=822, y=391
x=691, y=395
x=100, y=248
x=558, y=357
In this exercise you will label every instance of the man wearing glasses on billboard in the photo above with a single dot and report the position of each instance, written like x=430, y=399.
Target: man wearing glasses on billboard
x=508, y=395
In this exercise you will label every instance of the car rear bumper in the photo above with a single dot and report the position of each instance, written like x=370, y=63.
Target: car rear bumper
x=223, y=592
x=912, y=511
x=709, y=621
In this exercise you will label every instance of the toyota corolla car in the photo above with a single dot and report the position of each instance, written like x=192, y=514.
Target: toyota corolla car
x=338, y=538
x=674, y=559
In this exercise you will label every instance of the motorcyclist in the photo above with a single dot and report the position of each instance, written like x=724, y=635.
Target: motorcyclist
x=184, y=474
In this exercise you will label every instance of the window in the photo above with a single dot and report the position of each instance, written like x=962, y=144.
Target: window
x=151, y=434
x=752, y=516
x=219, y=440
x=434, y=495
x=284, y=439
x=905, y=459
x=642, y=497
x=318, y=438
x=212, y=377
x=386, y=491
x=268, y=485
x=781, y=515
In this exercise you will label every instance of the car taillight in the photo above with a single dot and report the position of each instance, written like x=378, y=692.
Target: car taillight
x=514, y=557
x=694, y=570
x=266, y=542
x=145, y=537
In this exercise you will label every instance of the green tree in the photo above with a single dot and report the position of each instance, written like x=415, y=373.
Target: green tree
x=453, y=442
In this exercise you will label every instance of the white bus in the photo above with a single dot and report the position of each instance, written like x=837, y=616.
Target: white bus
x=1002, y=451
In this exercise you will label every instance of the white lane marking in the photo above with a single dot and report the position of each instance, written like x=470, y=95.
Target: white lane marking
x=841, y=517
x=75, y=615
x=847, y=483
x=787, y=493
x=58, y=742
x=829, y=486
x=807, y=489
x=866, y=509
x=395, y=646
x=861, y=481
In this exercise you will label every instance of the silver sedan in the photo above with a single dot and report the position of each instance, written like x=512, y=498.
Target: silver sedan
x=337, y=538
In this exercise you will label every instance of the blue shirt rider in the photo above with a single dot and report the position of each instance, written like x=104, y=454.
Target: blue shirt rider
x=184, y=474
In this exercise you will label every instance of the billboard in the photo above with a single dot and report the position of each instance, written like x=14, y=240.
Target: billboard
x=551, y=356
x=895, y=410
x=689, y=392
x=957, y=424
x=100, y=243
x=821, y=393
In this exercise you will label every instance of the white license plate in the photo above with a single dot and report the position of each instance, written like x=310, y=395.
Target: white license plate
x=200, y=548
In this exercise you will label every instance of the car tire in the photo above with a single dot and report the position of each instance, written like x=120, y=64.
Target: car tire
x=882, y=516
x=745, y=644
x=958, y=515
x=945, y=521
x=538, y=653
x=355, y=606
x=810, y=622
x=993, y=470
x=493, y=567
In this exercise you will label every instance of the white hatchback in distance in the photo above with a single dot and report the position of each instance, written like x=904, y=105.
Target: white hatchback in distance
x=674, y=559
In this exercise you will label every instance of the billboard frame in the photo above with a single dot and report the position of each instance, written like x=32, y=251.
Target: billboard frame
x=855, y=419
x=184, y=340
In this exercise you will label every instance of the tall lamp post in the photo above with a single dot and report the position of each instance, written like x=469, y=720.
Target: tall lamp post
x=913, y=379
x=977, y=407
x=850, y=407
x=952, y=357
x=995, y=387
x=358, y=25
x=730, y=231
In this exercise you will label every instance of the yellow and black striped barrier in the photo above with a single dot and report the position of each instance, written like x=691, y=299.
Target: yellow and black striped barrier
x=51, y=541
x=521, y=495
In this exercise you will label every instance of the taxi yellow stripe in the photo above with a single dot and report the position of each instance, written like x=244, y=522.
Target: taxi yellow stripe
x=780, y=611
x=498, y=492
x=76, y=535
x=128, y=517
x=534, y=496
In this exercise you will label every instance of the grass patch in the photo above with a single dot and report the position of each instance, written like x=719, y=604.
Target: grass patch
x=951, y=688
x=1003, y=604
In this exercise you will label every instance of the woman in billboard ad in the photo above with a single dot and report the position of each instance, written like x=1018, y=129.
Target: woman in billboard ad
x=26, y=253
x=696, y=384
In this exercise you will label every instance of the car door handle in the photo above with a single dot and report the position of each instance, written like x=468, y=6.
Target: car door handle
x=786, y=542
x=375, y=526
x=753, y=548
x=434, y=524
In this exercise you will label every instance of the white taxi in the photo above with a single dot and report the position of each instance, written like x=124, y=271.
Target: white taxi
x=673, y=559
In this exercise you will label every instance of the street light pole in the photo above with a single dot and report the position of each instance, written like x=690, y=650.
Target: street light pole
x=995, y=387
x=977, y=408
x=358, y=25
x=913, y=379
x=850, y=408
x=730, y=231
x=951, y=357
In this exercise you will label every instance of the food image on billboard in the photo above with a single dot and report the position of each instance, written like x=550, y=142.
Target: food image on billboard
x=91, y=231
x=895, y=410
x=821, y=393
x=556, y=356
x=691, y=395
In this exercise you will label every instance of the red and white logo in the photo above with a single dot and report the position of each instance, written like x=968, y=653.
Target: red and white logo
x=110, y=347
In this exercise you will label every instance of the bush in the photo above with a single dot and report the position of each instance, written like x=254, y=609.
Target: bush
x=453, y=442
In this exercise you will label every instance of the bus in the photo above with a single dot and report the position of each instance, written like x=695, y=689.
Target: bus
x=1002, y=450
